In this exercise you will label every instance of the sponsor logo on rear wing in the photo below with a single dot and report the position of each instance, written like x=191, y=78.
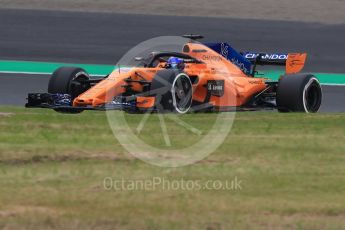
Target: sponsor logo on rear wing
x=267, y=59
x=266, y=56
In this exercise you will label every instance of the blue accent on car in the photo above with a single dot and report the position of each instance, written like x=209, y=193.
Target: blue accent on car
x=121, y=103
x=232, y=55
x=61, y=99
x=174, y=62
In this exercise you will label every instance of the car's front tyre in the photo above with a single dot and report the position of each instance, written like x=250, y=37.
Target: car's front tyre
x=68, y=80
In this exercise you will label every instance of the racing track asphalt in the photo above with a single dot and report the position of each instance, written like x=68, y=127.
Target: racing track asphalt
x=101, y=38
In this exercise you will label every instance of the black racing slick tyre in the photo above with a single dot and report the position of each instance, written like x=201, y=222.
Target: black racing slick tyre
x=67, y=80
x=299, y=93
x=173, y=91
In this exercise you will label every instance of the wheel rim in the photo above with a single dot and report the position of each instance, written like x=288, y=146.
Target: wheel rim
x=182, y=92
x=312, y=96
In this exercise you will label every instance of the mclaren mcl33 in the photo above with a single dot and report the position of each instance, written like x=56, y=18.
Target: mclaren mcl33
x=209, y=77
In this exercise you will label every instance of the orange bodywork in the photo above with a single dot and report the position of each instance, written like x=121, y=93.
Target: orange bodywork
x=295, y=63
x=145, y=102
x=239, y=88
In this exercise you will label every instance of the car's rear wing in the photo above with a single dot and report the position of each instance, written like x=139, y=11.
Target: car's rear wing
x=293, y=62
x=248, y=61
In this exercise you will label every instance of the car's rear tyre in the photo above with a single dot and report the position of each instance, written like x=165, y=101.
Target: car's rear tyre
x=299, y=93
x=173, y=91
x=67, y=80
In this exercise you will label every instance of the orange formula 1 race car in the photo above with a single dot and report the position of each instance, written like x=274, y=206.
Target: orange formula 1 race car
x=202, y=77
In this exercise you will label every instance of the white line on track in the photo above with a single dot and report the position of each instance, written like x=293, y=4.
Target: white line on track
x=39, y=73
x=333, y=84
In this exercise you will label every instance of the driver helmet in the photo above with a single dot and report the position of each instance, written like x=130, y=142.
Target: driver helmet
x=175, y=63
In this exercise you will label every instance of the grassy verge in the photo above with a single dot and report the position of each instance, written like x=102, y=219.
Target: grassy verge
x=53, y=166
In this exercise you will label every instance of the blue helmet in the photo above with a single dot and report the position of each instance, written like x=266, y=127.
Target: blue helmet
x=175, y=62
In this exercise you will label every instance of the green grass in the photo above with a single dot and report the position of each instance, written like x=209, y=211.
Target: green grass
x=52, y=169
